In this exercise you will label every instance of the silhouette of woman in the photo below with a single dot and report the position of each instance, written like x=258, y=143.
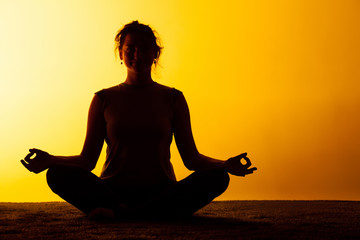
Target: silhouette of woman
x=137, y=119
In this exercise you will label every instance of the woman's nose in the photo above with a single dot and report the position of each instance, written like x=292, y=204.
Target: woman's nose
x=137, y=54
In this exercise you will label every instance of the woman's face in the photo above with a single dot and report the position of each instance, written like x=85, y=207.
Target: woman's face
x=138, y=53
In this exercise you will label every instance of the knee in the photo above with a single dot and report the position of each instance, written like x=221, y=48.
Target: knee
x=222, y=179
x=218, y=180
x=57, y=176
x=53, y=177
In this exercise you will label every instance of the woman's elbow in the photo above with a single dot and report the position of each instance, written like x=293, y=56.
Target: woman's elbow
x=191, y=165
x=88, y=163
x=90, y=167
x=191, y=161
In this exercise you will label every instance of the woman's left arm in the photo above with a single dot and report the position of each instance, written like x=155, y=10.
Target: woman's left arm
x=193, y=160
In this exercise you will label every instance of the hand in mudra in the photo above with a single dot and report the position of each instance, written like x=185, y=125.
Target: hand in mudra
x=39, y=163
x=235, y=167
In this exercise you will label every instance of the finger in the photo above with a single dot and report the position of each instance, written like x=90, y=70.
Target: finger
x=25, y=165
x=28, y=157
x=251, y=170
x=239, y=157
x=236, y=157
x=35, y=150
x=248, y=162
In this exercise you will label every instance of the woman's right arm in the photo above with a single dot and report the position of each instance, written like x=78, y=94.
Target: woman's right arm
x=89, y=155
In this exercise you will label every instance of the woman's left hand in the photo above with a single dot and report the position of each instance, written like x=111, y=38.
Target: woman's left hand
x=39, y=163
x=235, y=167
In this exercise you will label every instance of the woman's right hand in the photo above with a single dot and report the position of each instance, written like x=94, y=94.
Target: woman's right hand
x=235, y=167
x=39, y=163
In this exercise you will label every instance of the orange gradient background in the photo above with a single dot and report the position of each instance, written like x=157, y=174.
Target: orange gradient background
x=277, y=79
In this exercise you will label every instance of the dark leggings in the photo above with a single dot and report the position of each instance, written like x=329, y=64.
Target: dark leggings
x=86, y=191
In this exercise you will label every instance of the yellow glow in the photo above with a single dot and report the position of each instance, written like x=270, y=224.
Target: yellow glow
x=278, y=79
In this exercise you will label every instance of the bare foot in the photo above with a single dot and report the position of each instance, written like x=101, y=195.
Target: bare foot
x=101, y=214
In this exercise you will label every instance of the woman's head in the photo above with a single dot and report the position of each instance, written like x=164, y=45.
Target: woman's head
x=139, y=32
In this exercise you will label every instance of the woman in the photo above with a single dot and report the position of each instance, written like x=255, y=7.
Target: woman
x=137, y=119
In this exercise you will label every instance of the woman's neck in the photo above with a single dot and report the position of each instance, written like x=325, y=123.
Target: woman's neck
x=138, y=79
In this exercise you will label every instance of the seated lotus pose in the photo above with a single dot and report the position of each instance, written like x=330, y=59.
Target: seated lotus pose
x=137, y=119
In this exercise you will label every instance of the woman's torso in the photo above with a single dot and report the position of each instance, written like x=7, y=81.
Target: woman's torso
x=138, y=133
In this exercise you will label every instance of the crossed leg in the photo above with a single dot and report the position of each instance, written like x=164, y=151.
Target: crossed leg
x=80, y=188
x=87, y=192
x=185, y=197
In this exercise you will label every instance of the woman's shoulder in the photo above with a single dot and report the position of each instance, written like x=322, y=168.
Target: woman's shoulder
x=109, y=89
x=103, y=93
x=171, y=93
x=157, y=88
x=168, y=89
